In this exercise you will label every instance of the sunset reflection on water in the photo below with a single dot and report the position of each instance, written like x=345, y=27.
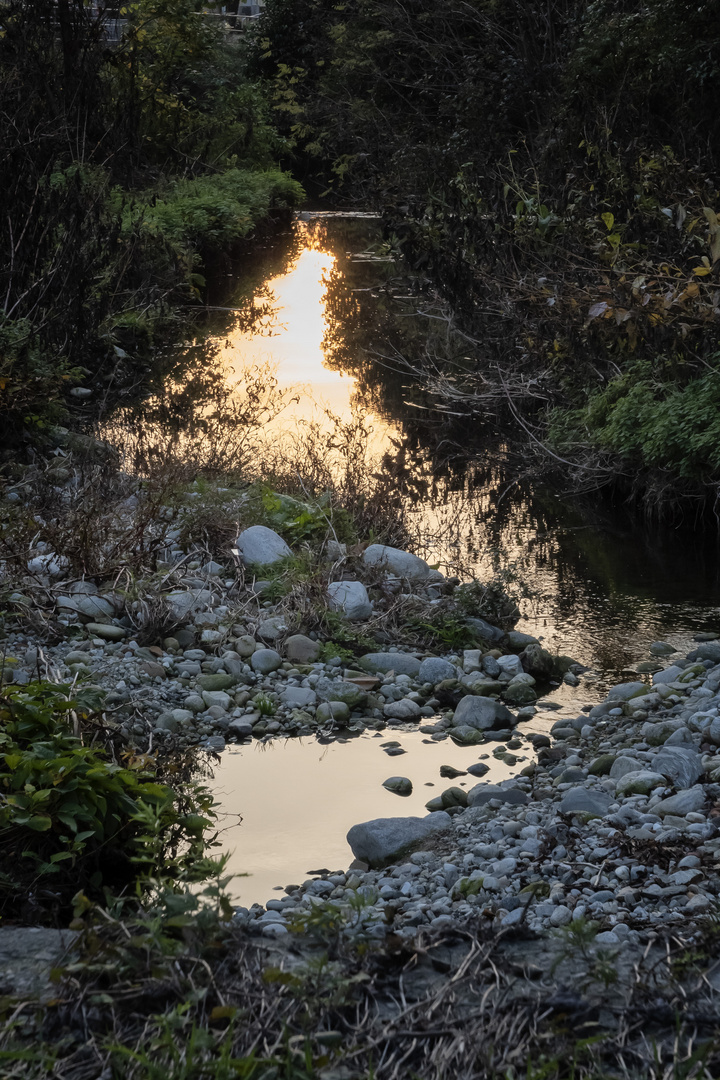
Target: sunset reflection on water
x=294, y=339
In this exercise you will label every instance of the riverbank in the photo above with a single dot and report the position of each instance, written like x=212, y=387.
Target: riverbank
x=574, y=901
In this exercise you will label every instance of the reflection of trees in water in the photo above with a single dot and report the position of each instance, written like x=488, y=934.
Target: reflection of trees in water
x=473, y=488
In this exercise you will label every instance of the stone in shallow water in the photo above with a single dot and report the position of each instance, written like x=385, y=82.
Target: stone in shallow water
x=481, y=713
x=399, y=785
x=519, y=694
x=465, y=735
x=661, y=648
x=381, y=840
x=709, y=651
x=261, y=546
x=449, y=772
x=480, y=769
x=454, y=796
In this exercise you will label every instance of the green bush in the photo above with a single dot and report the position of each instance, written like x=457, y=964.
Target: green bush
x=214, y=212
x=71, y=818
x=651, y=422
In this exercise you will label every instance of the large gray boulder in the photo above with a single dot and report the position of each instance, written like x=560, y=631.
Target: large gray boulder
x=482, y=713
x=639, y=782
x=622, y=765
x=298, y=697
x=683, y=766
x=382, y=840
x=348, y=692
x=709, y=650
x=685, y=802
x=261, y=546
x=351, y=598
x=484, y=629
x=400, y=663
x=396, y=561
x=539, y=661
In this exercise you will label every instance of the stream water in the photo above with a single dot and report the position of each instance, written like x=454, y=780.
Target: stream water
x=328, y=313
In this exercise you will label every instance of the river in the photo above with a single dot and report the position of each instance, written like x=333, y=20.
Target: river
x=330, y=319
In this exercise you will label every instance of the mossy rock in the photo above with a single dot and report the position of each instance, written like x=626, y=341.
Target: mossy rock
x=453, y=796
x=602, y=765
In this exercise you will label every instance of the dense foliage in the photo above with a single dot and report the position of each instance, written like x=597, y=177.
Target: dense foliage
x=552, y=167
x=126, y=159
x=72, y=818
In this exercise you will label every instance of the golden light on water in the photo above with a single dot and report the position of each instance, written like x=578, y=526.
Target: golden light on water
x=291, y=340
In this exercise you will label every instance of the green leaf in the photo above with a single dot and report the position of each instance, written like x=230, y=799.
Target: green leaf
x=40, y=823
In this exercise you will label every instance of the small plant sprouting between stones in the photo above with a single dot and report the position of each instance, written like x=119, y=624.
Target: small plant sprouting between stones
x=578, y=944
x=264, y=705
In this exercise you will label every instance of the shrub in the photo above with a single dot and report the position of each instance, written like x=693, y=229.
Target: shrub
x=72, y=818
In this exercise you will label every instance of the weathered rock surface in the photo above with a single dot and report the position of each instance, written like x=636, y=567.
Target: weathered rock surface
x=395, y=561
x=350, y=597
x=381, y=840
x=261, y=546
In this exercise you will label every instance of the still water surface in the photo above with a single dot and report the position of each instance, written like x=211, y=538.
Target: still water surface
x=328, y=313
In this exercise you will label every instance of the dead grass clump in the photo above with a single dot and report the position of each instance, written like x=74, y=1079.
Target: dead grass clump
x=465, y=1003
